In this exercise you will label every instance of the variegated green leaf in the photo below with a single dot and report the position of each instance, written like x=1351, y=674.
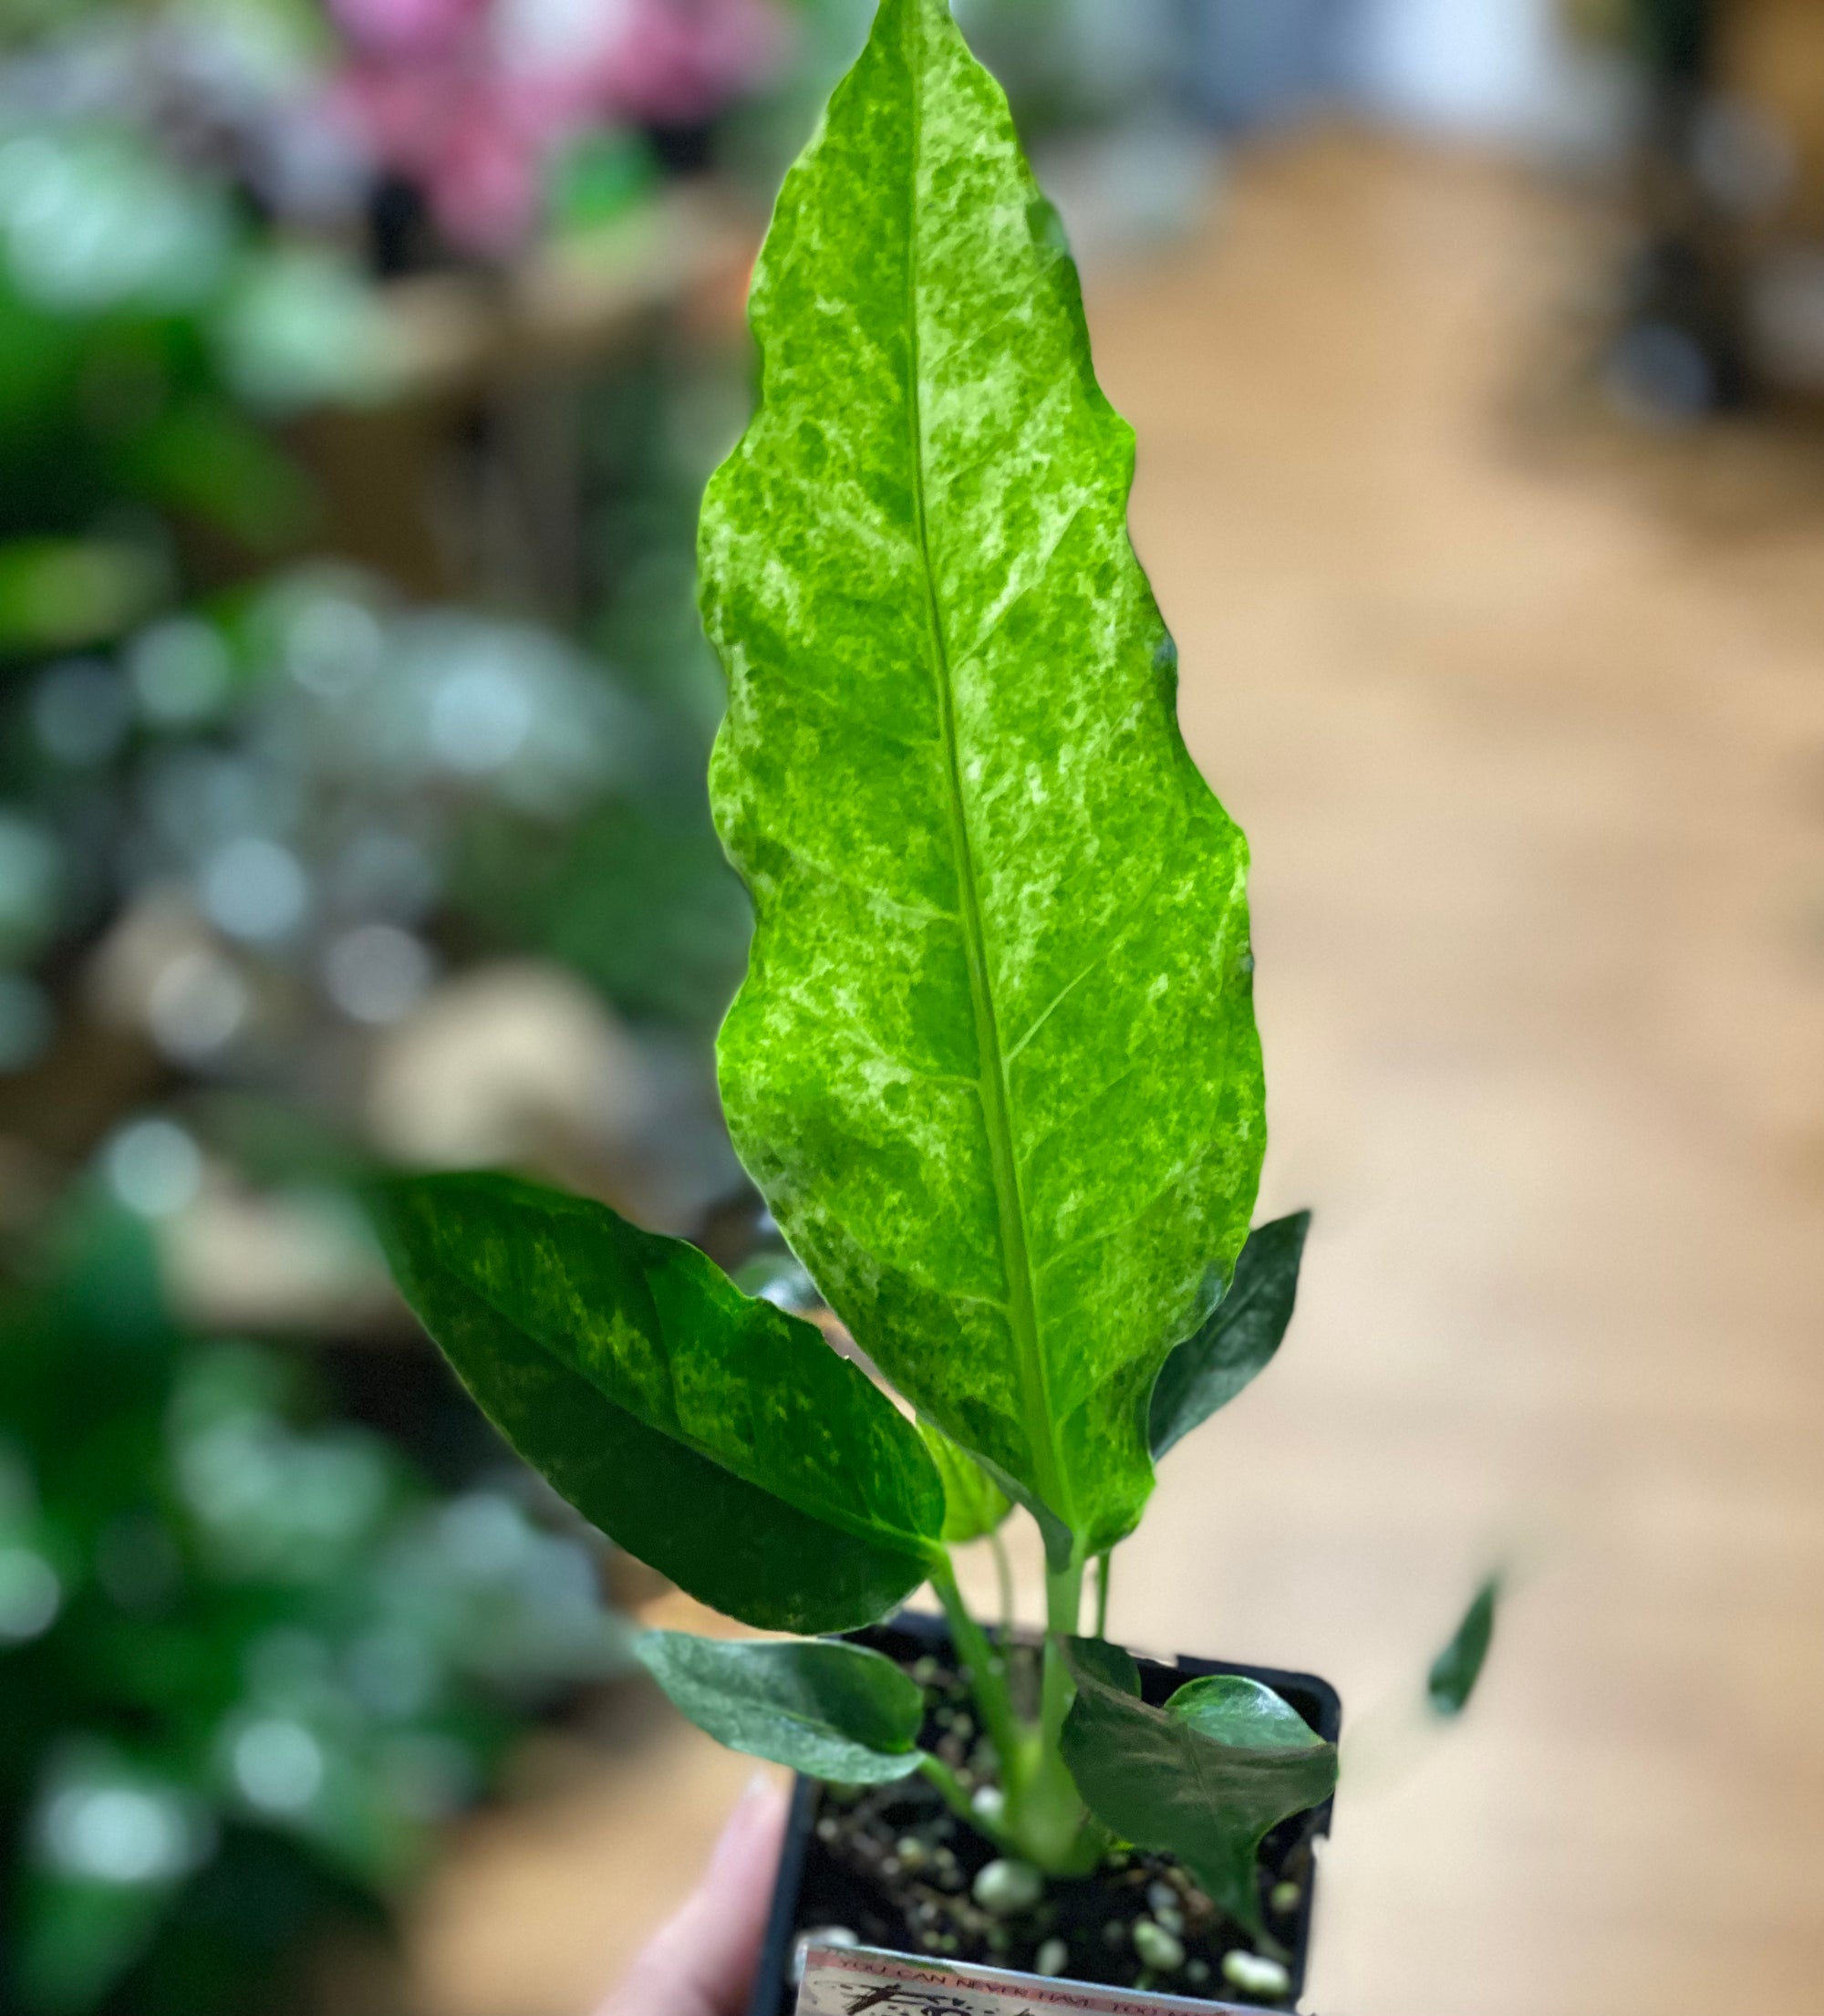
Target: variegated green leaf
x=834, y=1711
x=1112, y=1665
x=1205, y=1778
x=994, y=1064
x=715, y=1437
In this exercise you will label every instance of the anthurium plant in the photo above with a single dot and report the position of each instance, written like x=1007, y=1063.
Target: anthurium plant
x=994, y=1065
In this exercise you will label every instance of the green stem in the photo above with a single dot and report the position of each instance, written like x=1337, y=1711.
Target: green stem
x=958, y=1799
x=1063, y=1614
x=987, y=1676
x=1104, y=1563
x=1003, y=1569
x=1045, y=1815
x=1063, y=1599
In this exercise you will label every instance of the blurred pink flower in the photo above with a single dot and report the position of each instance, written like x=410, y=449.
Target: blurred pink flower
x=458, y=132
x=469, y=99
x=677, y=61
x=406, y=27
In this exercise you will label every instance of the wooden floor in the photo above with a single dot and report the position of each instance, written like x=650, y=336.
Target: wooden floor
x=1529, y=741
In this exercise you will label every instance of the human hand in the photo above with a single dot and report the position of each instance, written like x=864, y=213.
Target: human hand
x=702, y=1962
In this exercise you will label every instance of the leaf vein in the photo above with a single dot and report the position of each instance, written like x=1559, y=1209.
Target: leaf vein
x=1126, y=918
x=1016, y=1257
x=877, y=1531
x=924, y=913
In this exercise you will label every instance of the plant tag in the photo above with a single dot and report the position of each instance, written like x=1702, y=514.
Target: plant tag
x=847, y=1981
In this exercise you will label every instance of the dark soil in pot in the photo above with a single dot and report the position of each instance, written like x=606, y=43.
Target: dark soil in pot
x=890, y=1867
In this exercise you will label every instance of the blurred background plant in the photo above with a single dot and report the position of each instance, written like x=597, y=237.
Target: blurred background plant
x=252, y=1657
x=313, y=699
x=358, y=369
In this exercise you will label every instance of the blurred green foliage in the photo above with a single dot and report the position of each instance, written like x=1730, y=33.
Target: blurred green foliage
x=256, y=805
x=248, y=1661
x=300, y=755
x=1676, y=37
x=149, y=332
x=329, y=780
x=636, y=895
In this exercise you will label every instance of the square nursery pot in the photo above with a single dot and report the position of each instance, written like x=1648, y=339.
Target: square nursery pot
x=831, y=1877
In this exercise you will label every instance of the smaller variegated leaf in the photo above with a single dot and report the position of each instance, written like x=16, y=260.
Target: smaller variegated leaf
x=832, y=1710
x=712, y=1436
x=1204, y=1779
x=1111, y=1664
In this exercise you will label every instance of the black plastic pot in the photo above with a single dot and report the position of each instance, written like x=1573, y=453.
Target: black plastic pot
x=809, y=1877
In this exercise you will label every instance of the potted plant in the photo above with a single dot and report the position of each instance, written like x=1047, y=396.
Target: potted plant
x=994, y=1068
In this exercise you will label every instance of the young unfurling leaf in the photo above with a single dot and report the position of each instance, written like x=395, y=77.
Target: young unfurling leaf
x=994, y=1063
x=974, y=1504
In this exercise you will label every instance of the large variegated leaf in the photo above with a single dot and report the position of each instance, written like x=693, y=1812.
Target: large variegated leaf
x=994, y=1064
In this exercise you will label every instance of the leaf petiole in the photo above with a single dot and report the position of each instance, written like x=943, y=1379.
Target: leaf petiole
x=1003, y=1570
x=1045, y=1813
x=987, y=1672
x=958, y=1799
x=1063, y=1611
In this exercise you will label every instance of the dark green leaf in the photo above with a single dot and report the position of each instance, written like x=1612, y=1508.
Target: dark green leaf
x=994, y=1064
x=1208, y=1370
x=1203, y=1779
x=1243, y=1714
x=832, y=1710
x=1457, y=1669
x=1112, y=1665
x=974, y=1504
x=714, y=1437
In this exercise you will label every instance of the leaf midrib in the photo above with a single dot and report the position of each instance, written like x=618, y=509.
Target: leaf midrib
x=1021, y=1305
x=876, y=1532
